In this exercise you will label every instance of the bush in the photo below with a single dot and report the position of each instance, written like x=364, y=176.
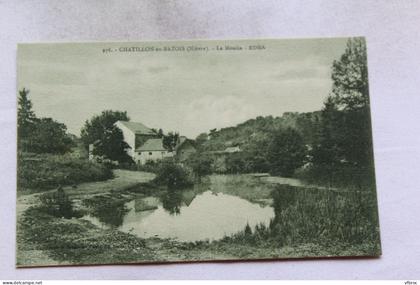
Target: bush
x=286, y=152
x=41, y=172
x=172, y=175
x=338, y=175
x=235, y=163
x=149, y=166
x=57, y=204
x=201, y=165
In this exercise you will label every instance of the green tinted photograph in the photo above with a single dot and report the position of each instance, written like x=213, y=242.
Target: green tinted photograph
x=183, y=151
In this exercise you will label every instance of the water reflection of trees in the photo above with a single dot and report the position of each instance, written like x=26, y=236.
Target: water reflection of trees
x=173, y=200
x=111, y=214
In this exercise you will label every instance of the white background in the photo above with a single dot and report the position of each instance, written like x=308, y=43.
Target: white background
x=392, y=29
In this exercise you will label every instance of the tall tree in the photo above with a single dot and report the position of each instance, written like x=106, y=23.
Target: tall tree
x=105, y=136
x=286, y=152
x=345, y=135
x=39, y=135
x=26, y=116
x=350, y=77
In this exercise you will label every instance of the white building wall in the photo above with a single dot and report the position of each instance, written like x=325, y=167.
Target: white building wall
x=144, y=156
x=129, y=138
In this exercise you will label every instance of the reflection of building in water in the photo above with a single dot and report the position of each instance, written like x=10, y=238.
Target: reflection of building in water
x=146, y=204
x=188, y=197
x=173, y=201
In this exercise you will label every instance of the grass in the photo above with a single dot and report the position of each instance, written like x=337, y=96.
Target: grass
x=40, y=172
x=309, y=222
x=74, y=241
x=329, y=222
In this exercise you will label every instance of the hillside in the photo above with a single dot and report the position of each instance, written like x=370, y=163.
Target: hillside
x=244, y=134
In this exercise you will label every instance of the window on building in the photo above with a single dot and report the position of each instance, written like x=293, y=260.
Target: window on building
x=150, y=153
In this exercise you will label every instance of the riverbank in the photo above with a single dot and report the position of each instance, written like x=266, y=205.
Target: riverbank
x=36, y=251
x=47, y=240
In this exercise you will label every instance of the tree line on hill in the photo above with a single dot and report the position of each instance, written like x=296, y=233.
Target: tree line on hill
x=335, y=140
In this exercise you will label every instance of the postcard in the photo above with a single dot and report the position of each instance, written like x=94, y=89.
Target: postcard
x=182, y=151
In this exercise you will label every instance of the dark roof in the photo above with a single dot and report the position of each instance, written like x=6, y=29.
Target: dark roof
x=138, y=128
x=152, y=145
x=184, y=142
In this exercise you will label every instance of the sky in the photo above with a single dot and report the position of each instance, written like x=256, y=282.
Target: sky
x=189, y=92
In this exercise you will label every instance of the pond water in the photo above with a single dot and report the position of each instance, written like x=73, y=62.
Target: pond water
x=188, y=216
x=201, y=213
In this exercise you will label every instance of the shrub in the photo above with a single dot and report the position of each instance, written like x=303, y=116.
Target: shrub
x=341, y=175
x=40, y=172
x=149, y=166
x=57, y=204
x=235, y=163
x=201, y=165
x=286, y=152
x=173, y=175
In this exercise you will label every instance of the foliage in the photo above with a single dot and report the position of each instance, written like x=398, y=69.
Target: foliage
x=48, y=136
x=105, y=136
x=201, y=165
x=286, y=152
x=109, y=209
x=172, y=175
x=26, y=115
x=112, y=146
x=39, y=135
x=235, y=163
x=347, y=176
x=171, y=202
x=255, y=153
x=170, y=141
x=149, y=166
x=311, y=214
x=247, y=135
x=200, y=140
x=344, y=140
x=57, y=204
x=46, y=171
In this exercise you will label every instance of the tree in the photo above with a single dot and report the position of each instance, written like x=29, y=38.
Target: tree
x=170, y=141
x=159, y=132
x=39, y=135
x=172, y=175
x=48, y=136
x=201, y=139
x=286, y=152
x=112, y=146
x=350, y=77
x=105, y=136
x=26, y=116
x=235, y=163
x=200, y=165
x=345, y=134
x=255, y=152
